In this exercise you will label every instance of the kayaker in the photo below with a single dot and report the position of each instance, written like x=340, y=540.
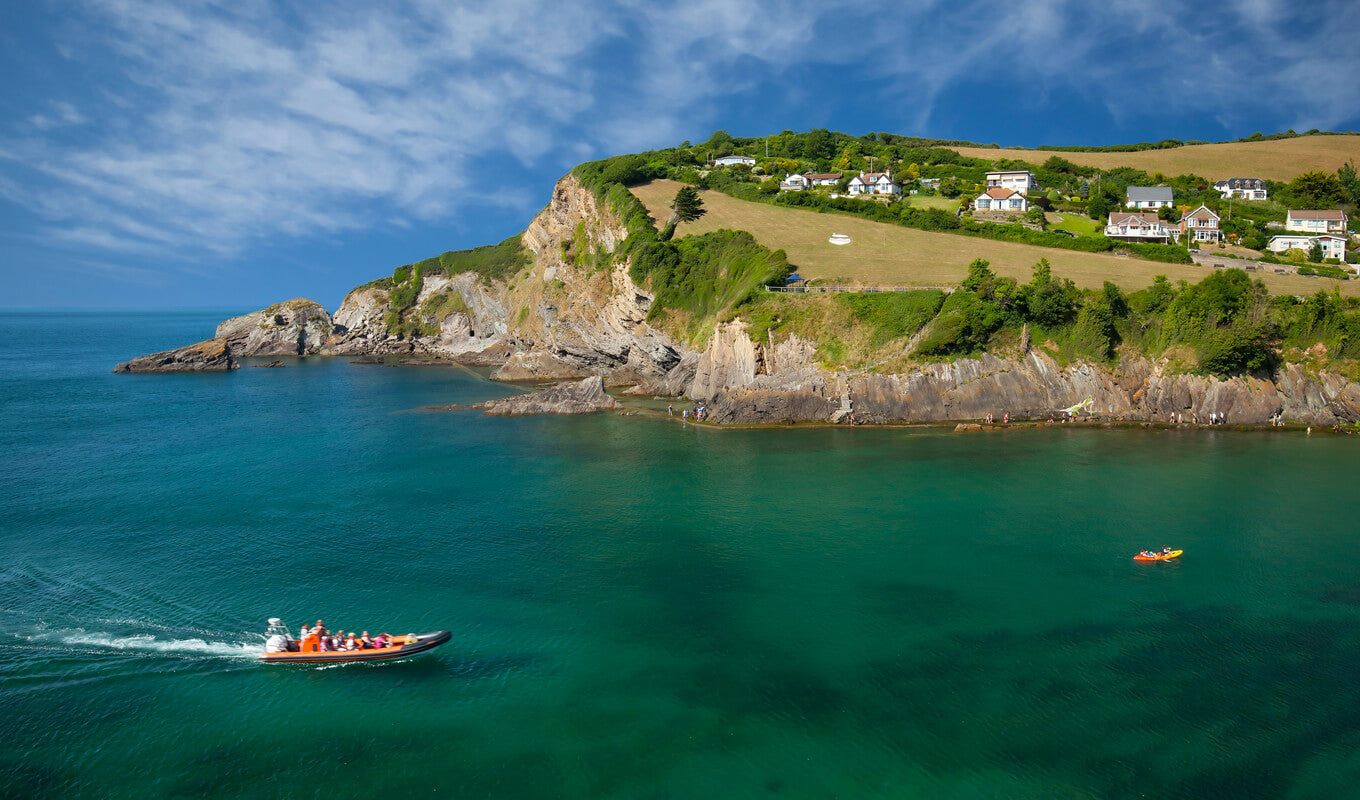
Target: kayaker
x=1166, y=550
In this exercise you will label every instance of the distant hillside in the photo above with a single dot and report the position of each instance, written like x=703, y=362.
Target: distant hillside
x=1276, y=160
x=890, y=255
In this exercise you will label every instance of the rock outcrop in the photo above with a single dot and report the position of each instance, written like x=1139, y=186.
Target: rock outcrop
x=211, y=355
x=298, y=327
x=743, y=383
x=580, y=397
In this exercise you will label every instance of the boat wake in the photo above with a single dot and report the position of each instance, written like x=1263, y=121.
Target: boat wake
x=146, y=643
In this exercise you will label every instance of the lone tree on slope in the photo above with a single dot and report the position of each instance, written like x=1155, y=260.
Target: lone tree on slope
x=686, y=207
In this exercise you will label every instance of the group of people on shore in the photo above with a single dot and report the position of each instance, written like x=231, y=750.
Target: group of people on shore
x=698, y=414
x=328, y=642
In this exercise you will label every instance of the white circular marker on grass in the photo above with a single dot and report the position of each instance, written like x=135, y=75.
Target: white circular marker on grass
x=839, y=238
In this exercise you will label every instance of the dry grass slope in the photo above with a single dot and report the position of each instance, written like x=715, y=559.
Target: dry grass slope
x=1279, y=160
x=881, y=254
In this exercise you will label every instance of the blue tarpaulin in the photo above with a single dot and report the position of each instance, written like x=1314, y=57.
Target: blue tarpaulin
x=794, y=277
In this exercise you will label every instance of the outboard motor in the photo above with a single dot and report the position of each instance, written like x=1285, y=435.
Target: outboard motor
x=278, y=639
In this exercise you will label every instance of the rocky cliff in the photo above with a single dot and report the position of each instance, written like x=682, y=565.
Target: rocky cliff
x=298, y=327
x=743, y=383
x=561, y=317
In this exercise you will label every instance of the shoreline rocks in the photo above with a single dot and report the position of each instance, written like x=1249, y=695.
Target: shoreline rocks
x=578, y=397
x=210, y=355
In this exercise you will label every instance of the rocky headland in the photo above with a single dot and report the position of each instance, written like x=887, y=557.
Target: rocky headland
x=570, y=315
x=211, y=355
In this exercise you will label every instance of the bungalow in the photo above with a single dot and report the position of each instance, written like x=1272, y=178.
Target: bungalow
x=1144, y=197
x=734, y=161
x=1316, y=222
x=1019, y=180
x=794, y=183
x=874, y=183
x=1200, y=225
x=1137, y=226
x=1006, y=201
x=1332, y=246
x=1244, y=188
x=823, y=178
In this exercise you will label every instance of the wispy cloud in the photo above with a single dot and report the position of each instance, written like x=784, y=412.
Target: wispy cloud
x=216, y=126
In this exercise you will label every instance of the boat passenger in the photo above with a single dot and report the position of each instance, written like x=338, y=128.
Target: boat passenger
x=366, y=641
x=1166, y=550
x=350, y=644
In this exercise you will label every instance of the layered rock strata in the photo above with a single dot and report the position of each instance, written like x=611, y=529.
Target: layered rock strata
x=210, y=355
x=580, y=397
x=297, y=327
x=743, y=383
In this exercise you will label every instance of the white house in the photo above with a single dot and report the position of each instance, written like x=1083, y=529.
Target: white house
x=1143, y=197
x=1332, y=246
x=823, y=178
x=1007, y=201
x=734, y=161
x=1137, y=226
x=874, y=183
x=1244, y=188
x=794, y=183
x=1020, y=181
x=1316, y=222
x=1200, y=225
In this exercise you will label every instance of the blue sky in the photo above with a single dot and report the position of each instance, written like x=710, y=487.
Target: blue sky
x=170, y=153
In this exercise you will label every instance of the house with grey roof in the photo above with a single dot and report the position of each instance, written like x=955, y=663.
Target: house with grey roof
x=1243, y=188
x=1145, y=197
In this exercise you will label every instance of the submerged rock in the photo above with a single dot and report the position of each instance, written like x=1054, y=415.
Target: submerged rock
x=211, y=355
x=579, y=397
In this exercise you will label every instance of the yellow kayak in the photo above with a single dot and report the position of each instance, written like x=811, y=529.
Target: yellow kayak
x=1158, y=556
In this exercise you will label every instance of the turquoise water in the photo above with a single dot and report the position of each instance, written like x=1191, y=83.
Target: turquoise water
x=642, y=609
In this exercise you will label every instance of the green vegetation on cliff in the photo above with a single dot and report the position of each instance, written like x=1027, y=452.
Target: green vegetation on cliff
x=1225, y=324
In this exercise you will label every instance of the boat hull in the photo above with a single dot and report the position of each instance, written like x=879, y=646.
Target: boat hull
x=424, y=642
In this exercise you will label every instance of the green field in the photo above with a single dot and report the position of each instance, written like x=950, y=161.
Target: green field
x=890, y=255
x=950, y=204
x=1080, y=224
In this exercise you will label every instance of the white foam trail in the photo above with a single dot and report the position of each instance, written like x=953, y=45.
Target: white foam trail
x=150, y=644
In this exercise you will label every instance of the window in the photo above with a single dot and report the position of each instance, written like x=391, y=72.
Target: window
x=984, y=203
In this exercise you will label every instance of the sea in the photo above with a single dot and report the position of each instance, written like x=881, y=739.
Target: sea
x=642, y=608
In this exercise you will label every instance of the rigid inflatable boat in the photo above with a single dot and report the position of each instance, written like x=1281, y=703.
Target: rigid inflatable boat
x=281, y=648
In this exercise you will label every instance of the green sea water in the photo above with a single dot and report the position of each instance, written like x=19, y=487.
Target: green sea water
x=644, y=609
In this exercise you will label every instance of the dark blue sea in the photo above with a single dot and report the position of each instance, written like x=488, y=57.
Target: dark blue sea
x=645, y=609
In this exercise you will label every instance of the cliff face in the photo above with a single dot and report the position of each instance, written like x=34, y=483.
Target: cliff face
x=298, y=327
x=744, y=383
x=559, y=318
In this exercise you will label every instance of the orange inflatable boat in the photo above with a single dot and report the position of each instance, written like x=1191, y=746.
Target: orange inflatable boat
x=281, y=648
